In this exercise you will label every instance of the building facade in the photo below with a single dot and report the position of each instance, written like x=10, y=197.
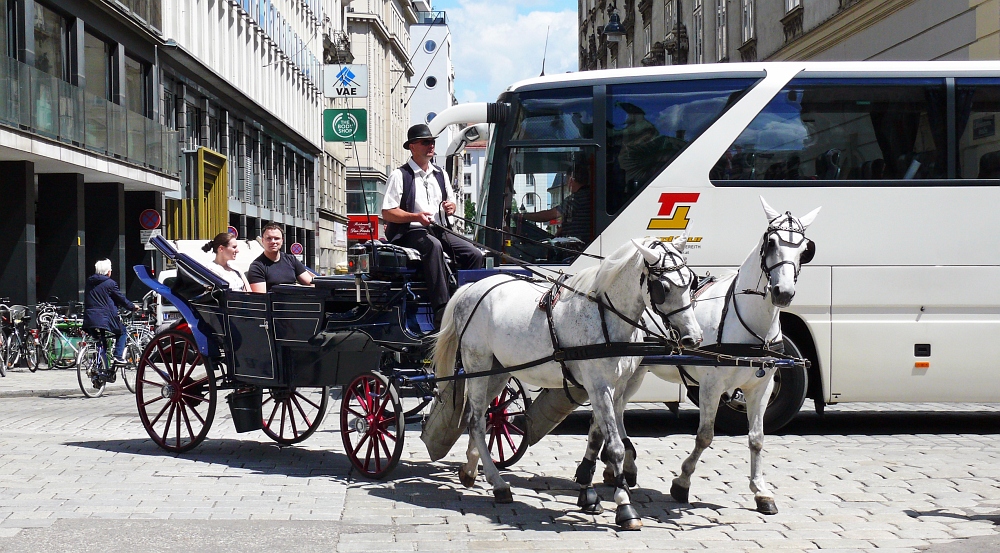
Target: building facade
x=378, y=31
x=122, y=117
x=666, y=32
x=433, y=88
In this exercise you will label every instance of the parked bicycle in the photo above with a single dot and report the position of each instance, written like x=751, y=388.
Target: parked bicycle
x=95, y=366
x=18, y=340
x=58, y=337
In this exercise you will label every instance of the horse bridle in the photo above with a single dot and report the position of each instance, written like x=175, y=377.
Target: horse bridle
x=654, y=286
x=792, y=226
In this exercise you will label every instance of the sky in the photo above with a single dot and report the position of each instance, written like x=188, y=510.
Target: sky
x=496, y=43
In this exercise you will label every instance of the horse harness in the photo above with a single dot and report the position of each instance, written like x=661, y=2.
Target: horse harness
x=562, y=354
x=783, y=224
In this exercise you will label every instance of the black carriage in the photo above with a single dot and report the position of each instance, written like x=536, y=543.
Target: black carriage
x=280, y=355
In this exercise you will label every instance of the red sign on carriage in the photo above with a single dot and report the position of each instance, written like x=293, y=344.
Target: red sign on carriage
x=363, y=227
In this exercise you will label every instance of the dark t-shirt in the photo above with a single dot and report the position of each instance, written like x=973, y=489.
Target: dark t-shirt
x=576, y=211
x=285, y=270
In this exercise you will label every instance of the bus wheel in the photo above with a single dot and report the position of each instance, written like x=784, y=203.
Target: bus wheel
x=787, y=397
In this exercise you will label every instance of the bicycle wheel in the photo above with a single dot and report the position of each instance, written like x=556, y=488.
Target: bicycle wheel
x=133, y=354
x=3, y=357
x=60, y=352
x=88, y=367
x=11, y=354
x=31, y=355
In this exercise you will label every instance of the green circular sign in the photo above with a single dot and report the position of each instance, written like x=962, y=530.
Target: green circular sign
x=345, y=125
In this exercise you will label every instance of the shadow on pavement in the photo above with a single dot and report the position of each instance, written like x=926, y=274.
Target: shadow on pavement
x=260, y=457
x=656, y=423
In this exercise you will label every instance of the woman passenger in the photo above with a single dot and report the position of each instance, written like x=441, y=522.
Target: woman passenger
x=225, y=247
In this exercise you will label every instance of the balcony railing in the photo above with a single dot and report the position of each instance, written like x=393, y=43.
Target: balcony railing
x=432, y=18
x=51, y=107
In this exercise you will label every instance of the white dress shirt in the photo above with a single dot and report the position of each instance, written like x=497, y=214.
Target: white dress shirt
x=426, y=192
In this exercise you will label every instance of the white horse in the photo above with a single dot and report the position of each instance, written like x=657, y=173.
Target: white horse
x=740, y=314
x=496, y=323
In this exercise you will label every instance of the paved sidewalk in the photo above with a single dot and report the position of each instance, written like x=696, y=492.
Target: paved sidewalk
x=20, y=382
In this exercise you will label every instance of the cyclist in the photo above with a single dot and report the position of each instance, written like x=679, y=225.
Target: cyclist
x=99, y=307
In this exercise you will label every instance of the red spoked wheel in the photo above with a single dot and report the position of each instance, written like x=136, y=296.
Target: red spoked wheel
x=293, y=414
x=175, y=392
x=506, y=425
x=372, y=425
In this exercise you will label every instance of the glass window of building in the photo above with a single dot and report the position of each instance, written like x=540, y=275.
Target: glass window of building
x=97, y=62
x=748, y=21
x=51, y=42
x=792, y=4
x=721, y=30
x=136, y=86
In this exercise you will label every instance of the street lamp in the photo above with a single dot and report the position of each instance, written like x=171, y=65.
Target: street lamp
x=614, y=31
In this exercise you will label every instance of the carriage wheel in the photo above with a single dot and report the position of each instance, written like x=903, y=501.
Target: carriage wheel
x=175, y=392
x=506, y=425
x=293, y=414
x=372, y=425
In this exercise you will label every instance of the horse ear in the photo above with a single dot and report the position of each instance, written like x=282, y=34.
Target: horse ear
x=680, y=242
x=649, y=255
x=768, y=210
x=808, y=218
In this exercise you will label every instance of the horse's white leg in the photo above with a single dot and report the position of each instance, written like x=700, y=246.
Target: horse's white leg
x=630, y=469
x=709, y=394
x=480, y=396
x=756, y=399
x=603, y=403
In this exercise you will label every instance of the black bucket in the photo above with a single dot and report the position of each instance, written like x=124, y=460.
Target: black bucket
x=246, y=409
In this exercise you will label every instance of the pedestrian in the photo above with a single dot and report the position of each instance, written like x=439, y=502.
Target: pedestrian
x=418, y=194
x=100, y=307
x=225, y=247
x=272, y=267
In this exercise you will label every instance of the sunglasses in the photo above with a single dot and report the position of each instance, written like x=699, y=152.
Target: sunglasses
x=425, y=142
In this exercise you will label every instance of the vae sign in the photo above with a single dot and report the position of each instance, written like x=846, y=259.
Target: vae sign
x=345, y=81
x=362, y=227
x=345, y=125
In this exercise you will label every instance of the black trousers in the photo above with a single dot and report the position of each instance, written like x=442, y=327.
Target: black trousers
x=432, y=245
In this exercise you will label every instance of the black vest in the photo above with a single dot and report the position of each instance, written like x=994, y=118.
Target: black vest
x=395, y=230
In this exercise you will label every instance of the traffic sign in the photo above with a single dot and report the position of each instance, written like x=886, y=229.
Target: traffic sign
x=295, y=248
x=345, y=125
x=149, y=219
x=232, y=230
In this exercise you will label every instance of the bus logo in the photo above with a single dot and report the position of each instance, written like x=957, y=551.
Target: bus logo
x=671, y=215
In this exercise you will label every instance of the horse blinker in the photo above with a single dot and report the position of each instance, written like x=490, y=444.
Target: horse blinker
x=809, y=252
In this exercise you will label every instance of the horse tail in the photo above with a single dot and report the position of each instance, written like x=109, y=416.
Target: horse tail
x=446, y=343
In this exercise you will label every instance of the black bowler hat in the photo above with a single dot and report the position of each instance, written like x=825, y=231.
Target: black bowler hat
x=417, y=132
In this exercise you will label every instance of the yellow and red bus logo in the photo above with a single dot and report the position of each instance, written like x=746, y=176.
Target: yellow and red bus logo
x=673, y=215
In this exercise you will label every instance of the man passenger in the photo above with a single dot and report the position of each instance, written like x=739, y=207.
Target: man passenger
x=271, y=267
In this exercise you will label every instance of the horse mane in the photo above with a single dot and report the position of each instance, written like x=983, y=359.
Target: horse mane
x=598, y=278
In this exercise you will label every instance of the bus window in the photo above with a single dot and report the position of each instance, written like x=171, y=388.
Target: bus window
x=843, y=129
x=649, y=124
x=564, y=114
x=977, y=106
x=548, y=202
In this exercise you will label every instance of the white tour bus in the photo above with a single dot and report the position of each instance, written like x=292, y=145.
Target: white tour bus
x=902, y=300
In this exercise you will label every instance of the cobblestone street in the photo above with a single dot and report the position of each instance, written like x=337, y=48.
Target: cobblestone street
x=78, y=474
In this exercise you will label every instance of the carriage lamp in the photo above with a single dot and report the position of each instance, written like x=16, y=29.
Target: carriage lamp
x=614, y=31
x=357, y=260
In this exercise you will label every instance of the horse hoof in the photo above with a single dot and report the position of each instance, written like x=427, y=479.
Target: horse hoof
x=766, y=506
x=627, y=518
x=467, y=480
x=630, y=478
x=503, y=495
x=679, y=493
x=609, y=476
x=589, y=502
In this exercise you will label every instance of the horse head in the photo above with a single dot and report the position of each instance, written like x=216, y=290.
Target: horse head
x=668, y=286
x=783, y=250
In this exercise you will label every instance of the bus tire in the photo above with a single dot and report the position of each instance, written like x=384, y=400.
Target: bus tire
x=787, y=397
